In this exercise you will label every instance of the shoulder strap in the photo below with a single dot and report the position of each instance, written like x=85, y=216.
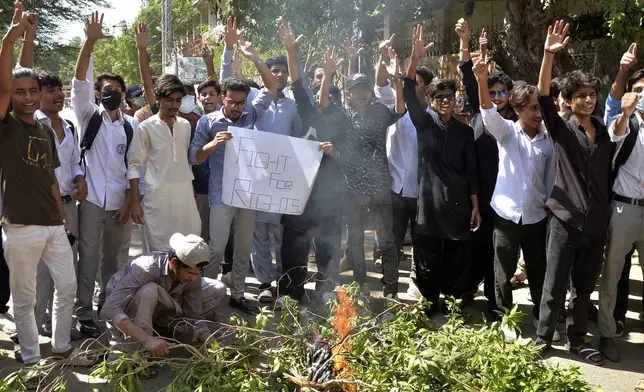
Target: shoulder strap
x=71, y=126
x=93, y=127
x=129, y=134
x=627, y=146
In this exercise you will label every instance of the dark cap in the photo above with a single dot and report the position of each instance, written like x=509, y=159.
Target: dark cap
x=358, y=79
x=133, y=91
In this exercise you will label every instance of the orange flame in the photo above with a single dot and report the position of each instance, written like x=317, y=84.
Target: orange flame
x=343, y=324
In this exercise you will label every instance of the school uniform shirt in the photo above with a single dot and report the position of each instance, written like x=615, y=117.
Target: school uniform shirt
x=105, y=170
x=526, y=170
x=68, y=154
x=630, y=177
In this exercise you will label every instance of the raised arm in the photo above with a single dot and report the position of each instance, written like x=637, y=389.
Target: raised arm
x=381, y=67
x=556, y=40
x=209, y=58
x=142, y=39
x=330, y=67
x=418, y=49
x=629, y=59
x=463, y=31
x=233, y=36
x=620, y=127
x=494, y=122
x=93, y=33
x=27, y=50
x=15, y=31
x=250, y=52
x=353, y=55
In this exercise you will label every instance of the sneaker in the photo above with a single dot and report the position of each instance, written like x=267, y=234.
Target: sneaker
x=510, y=334
x=642, y=316
x=243, y=304
x=378, y=265
x=556, y=337
x=265, y=293
x=227, y=278
x=46, y=331
x=89, y=329
x=7, y=325
x=413, y=292
x=619, y=332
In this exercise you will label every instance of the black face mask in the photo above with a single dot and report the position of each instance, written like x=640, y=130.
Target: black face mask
x=111, y=100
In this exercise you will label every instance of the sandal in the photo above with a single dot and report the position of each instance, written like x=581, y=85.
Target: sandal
x=639, y=387
x=587, y=352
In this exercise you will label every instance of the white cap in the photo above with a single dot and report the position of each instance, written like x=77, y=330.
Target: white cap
x=191, y=250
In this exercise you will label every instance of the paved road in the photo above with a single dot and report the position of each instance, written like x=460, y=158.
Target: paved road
x=612, y=378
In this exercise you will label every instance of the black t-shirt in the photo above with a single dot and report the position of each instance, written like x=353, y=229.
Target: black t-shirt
x=29, y=158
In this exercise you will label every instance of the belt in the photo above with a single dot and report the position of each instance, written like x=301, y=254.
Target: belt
x=66, y=199
x=628, y=200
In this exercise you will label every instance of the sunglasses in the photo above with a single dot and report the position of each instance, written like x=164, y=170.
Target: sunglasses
x=442, y=97
x=500, y=93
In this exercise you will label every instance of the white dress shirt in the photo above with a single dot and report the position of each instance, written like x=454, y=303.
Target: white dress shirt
x=105, y=170
x=630, y=180
x=68, y=154
x=402, y=148
x=526, y=170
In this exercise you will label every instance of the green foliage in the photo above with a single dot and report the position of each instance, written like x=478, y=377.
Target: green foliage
x=118, y=56
x=625, y=19
x=398, y=350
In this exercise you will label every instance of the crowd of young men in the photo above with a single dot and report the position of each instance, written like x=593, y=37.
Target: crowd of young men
x=534, y=172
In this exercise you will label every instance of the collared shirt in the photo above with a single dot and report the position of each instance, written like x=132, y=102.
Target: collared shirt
x=581, y=194
x=105, y=171
x=151, y=268
x=364, y=155
x=208, y=127
x=630, y=177
x=613, y=109
x=526, y=170
x=402, y=148
x=68, y=154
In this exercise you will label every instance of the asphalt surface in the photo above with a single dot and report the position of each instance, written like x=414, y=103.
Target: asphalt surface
x=614, y=377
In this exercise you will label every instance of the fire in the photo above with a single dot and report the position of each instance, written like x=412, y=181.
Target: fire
x=343, y=324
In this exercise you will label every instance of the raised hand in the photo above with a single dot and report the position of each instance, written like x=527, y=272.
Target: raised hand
x=237, y=63
x=286, y=34
x=94, y=27
x=385, y=45
x=233, y=33
x=248, y=50
x=629, y=58
x=393, y=65
x=557, y=38
x=141, y=36
x=207, y=55
x=331, y=65
x=483, y=42
x=351, y=49
x=418, y=48
x=480, y=68
x=31, y=26
x=462, y=29
x=18, y=24
x=629, y=103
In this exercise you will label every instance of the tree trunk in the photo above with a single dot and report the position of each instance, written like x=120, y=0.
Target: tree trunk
x=518, y=49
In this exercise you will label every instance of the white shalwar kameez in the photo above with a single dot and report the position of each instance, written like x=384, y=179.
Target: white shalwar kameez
x=169, y=205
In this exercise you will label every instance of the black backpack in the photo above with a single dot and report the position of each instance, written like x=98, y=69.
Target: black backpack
x=627, y=147
x=93, y=127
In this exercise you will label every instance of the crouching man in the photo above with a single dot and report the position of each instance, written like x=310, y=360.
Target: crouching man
x=160, y=285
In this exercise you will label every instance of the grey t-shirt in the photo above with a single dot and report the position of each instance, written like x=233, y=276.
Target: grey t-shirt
x=28, y=158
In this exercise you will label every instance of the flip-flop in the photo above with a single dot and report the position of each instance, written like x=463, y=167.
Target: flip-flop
x=586, y=351
x=639, y=387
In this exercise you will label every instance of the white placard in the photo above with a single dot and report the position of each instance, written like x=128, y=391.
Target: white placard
x=268, y=172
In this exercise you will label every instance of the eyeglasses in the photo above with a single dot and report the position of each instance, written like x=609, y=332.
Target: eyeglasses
x=240, y=104
x=442, y=97
x=500, y=93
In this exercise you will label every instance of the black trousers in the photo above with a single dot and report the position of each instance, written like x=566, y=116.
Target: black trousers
x=442, y=266
x=404, y=210
x=296, y=245
x=227, y=262
x=623, y=289
x=5, y=292
x=574, y=256
x=482, y=263
x=508, y=238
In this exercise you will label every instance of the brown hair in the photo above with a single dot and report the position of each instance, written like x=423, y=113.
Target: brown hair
x=521, y=95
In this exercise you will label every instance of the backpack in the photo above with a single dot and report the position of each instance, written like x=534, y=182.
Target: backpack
x=94, y=126
x=71, y=126
x=627, y=146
